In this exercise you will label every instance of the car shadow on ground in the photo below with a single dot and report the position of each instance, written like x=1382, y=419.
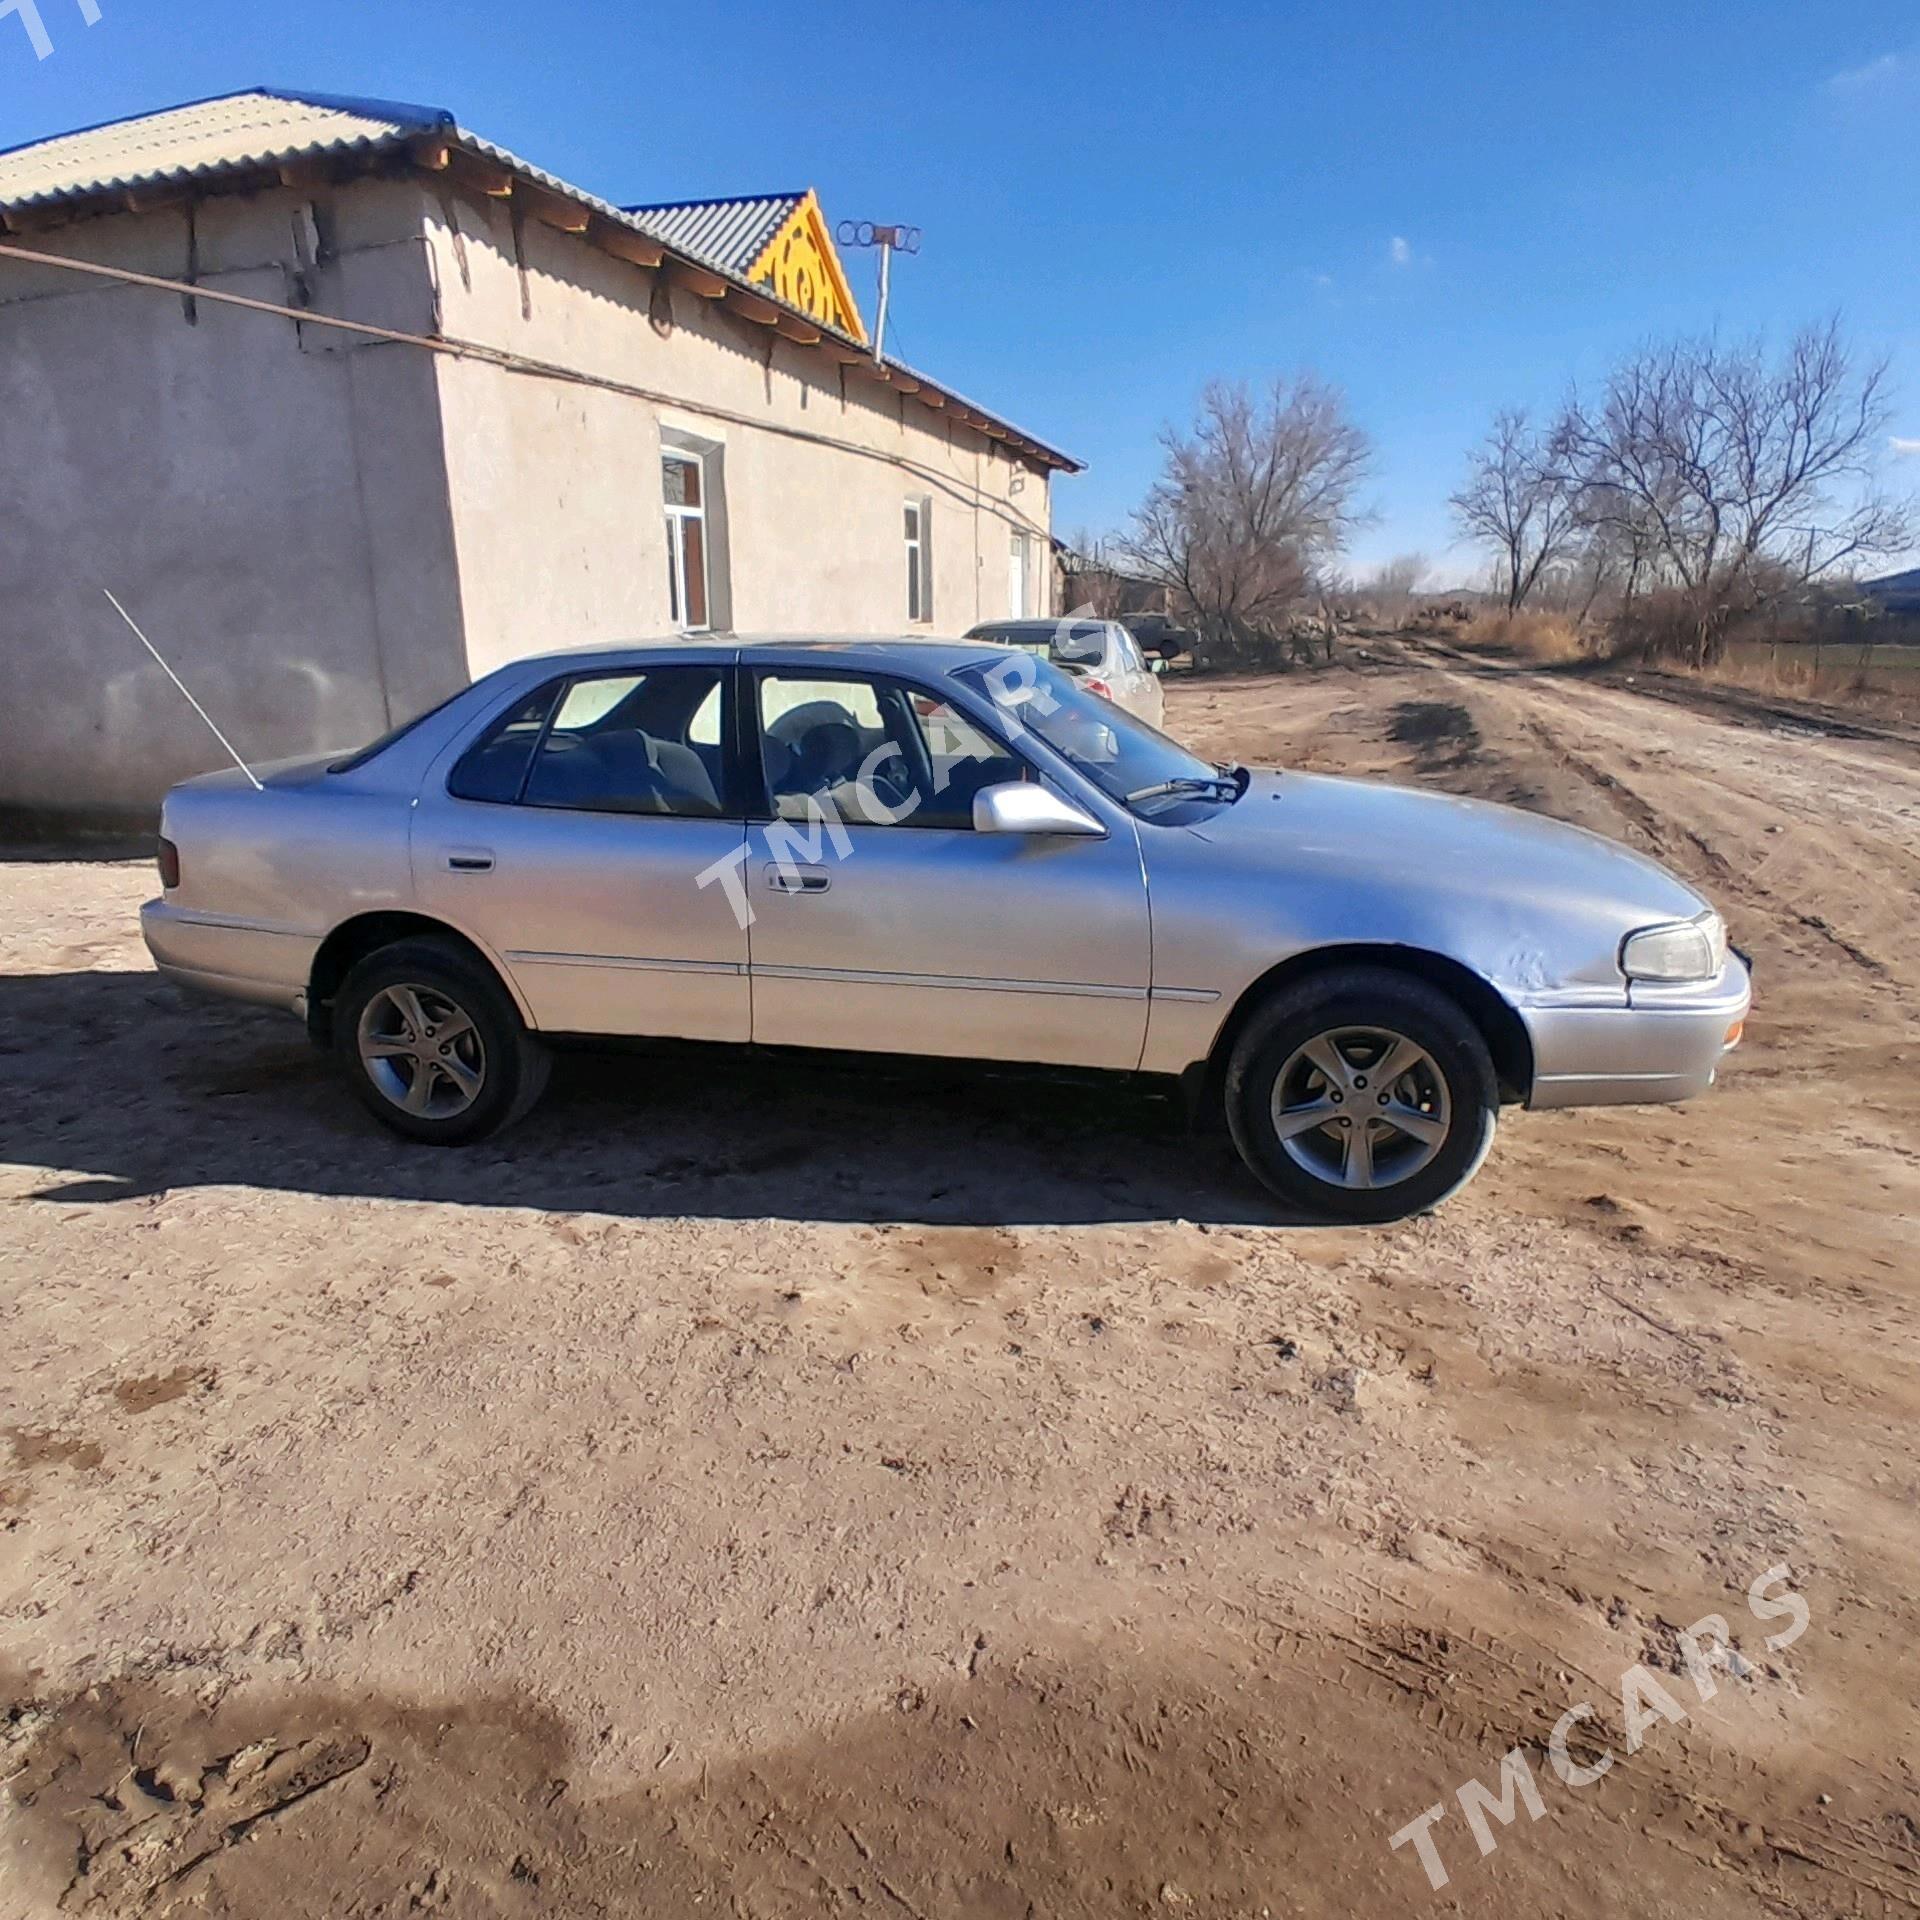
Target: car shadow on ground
x=122, y=1086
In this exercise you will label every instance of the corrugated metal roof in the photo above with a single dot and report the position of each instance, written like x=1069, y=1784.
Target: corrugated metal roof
x=264, y=126
x=254, y=128
x=732, y=234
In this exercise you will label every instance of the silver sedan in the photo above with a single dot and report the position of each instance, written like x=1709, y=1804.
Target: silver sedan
x=945, y=850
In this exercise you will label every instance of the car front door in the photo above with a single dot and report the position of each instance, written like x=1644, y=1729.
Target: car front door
x=882, y=921
x=570, y=839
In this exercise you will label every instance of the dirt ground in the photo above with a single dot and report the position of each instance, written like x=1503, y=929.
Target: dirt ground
x=748, y=1493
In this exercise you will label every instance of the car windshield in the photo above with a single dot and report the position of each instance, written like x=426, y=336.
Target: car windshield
x=1125, y=758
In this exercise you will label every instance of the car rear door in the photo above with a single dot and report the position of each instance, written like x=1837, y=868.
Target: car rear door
x=881, y=921
x=570, y=835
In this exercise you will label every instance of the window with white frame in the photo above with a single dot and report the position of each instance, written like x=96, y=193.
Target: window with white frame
x=1017, y=576
x=683, y=484
x=919, y=524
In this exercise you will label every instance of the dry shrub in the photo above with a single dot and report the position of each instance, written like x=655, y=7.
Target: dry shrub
x=1836, y=676
x=1542, y=637
x=1239, y=648
x=1666, y=626
x=1771, y=672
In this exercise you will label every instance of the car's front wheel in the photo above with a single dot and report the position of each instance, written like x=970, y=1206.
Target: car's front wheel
x=1362, y=1095
x=433, y=1045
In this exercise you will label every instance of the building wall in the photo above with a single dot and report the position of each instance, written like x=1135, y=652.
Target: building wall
x=556, y=491
x=326, y=535
x=269, y=500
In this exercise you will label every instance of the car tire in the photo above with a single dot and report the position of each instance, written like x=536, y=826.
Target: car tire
x=1298, y=1083
x=429, y=1007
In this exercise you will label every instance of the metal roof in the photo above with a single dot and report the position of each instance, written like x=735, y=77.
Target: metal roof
x=209, y=136
x=239, y=133
x=731, y=233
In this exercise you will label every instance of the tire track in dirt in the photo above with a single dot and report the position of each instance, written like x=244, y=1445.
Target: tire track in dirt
x=1744, y=707
x=1468, y=1686
x=1661, y=834
x=1679, y=839
x=1528, y=702
x=1650, y=1353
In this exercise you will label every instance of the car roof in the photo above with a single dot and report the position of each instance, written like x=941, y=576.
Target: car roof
x=908, y=650
x=955, y=652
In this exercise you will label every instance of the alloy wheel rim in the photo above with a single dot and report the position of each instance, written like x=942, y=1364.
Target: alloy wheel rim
x=422, y=1051
x=1361, y=1107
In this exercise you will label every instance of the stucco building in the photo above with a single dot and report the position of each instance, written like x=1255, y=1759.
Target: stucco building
x=549, y=422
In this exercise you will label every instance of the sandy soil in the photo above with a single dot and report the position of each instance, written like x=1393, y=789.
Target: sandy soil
x=740, y=1492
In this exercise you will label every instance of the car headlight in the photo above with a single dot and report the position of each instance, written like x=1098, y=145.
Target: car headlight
x=1693, y=949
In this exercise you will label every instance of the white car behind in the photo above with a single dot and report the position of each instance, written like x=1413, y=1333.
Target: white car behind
x=1102, y=653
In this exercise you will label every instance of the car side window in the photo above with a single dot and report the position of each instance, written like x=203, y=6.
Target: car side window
x=624, y=743
x=703, y=731
x=632, y=742
x=825, y=748
x=495, y=767
x=961, y=759
x=873, y=752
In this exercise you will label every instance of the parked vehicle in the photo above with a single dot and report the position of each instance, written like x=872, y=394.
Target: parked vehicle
x=1103, y=651
x=1158, y=635
x=948, y=850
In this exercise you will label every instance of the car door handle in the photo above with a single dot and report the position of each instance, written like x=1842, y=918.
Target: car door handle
x=470, y=860
x=798, y=879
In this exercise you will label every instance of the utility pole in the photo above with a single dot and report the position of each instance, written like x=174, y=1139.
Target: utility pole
x=890, y=240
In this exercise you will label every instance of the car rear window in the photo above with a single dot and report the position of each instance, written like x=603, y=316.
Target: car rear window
x=393, y=736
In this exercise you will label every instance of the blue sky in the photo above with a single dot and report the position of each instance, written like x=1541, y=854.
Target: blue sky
x=1441, y=209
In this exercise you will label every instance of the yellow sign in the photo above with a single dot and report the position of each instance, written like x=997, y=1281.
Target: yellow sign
x=800, y=265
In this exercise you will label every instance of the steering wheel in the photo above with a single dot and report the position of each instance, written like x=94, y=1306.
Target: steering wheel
x=891, y=786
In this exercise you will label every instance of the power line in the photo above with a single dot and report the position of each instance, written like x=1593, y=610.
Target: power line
x=509, y=362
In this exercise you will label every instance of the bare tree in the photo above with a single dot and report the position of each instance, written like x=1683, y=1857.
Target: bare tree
x=1730, y=475
x=1096, y=578
x=1251, y=504
x=1606, y=565
x=1518, y=500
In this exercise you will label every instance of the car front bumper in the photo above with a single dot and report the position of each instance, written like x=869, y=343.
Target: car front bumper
x=1664, y=1044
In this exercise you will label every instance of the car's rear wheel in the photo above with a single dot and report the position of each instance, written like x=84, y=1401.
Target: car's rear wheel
x=1362, y=1095
x=433, y=1046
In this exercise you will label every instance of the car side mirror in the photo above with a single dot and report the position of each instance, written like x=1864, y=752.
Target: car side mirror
x=1158, y=664
x=1024, y=806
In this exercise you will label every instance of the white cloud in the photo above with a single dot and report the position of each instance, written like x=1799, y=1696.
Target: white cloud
x=1904, y=449
x=1400, y=251
x=1870, y=76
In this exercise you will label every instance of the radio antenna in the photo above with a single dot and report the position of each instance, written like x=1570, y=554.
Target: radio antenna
x=182, y=685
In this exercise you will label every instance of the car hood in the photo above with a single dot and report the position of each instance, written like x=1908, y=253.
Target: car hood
x=1402, y=837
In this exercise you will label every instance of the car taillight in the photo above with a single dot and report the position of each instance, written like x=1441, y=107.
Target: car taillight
x=1099, y=686
x=167, y=859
